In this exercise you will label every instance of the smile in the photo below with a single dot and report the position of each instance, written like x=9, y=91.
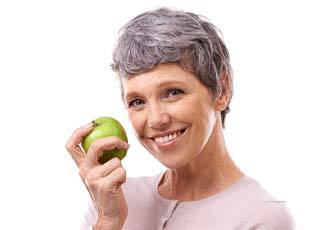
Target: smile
x=168, y=139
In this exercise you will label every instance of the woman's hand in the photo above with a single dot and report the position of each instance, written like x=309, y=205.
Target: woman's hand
x=102, y=181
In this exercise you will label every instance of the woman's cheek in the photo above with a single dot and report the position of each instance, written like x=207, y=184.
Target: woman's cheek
x=183, y=109
x=137, y=120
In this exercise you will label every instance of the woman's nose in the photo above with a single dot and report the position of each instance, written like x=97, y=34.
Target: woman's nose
x=158, y=117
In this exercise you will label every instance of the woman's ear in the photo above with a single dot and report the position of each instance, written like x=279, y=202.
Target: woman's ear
x=222, y=101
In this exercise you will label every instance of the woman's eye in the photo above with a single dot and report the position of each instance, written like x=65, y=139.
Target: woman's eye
x=135, y=102
x=174, y=92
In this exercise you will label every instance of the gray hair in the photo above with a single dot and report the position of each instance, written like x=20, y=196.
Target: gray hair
x=171, y=36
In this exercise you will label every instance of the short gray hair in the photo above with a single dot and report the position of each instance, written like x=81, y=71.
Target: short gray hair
x=172, y=36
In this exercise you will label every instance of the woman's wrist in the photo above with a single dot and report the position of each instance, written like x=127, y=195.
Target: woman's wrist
x=107, y=224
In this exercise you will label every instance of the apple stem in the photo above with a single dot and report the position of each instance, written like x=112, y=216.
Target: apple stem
x=94, y=124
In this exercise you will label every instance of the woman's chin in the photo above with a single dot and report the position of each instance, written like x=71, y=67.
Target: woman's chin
x=173, y=163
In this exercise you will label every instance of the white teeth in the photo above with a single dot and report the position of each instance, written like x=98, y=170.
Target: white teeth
x=167, y=138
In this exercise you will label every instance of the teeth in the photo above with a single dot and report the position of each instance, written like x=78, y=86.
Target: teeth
x=167, y=138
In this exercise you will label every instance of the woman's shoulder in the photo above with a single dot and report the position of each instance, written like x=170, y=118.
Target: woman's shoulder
x=271, y=215
x=266, y=211
x=252, y=192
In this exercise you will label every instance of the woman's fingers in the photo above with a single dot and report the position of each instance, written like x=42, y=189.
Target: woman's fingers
x=73, y=144
x=110, y=183
x=99, y=171
x=107, y=195
x=106, y=177
x=99, y=146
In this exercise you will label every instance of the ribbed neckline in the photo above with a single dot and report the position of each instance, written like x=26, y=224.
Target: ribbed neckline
x=238, y=184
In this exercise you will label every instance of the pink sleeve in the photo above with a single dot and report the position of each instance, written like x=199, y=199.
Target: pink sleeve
x=89, y=217
x=271, y=215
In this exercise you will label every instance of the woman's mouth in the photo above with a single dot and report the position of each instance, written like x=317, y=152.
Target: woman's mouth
x=168, y=139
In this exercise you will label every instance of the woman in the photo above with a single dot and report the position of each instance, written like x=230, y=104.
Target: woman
x=176, y=83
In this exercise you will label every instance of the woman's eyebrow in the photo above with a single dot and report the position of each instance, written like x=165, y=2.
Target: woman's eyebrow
x=170, y=82
x=159, y=85
x=131, y=95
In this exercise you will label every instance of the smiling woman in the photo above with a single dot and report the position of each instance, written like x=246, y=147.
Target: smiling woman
x=176, y=82
x=175, y=115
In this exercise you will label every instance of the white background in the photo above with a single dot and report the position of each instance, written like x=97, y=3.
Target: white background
x=55, y=77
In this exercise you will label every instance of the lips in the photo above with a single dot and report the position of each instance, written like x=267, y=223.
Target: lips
x=169, y=135
x=167, y=138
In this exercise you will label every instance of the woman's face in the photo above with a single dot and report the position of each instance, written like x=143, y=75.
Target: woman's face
x=172, y=113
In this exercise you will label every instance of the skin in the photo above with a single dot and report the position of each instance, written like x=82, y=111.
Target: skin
x=169, y=99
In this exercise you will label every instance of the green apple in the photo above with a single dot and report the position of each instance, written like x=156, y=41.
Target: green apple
x=106, y=127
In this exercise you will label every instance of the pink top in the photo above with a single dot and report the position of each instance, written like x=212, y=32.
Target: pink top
x=242, y=206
